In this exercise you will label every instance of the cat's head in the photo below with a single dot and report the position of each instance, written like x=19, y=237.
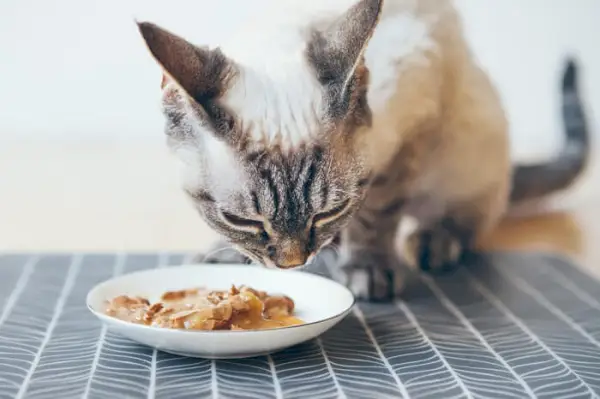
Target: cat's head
x=271, y=155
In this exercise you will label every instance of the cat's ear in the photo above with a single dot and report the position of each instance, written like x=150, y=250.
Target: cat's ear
x=336, y=50
x=201, y=72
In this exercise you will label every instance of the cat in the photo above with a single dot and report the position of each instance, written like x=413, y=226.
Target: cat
x=336, y=123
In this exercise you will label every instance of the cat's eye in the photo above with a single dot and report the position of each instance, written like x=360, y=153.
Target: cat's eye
x=242, y=223
x=331, y=215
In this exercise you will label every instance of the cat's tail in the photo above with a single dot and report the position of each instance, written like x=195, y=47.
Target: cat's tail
x=536, y=181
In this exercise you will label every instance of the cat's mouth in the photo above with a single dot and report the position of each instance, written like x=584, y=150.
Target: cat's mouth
x=269, y=264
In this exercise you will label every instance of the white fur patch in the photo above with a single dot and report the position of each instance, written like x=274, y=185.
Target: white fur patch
x=225, y=175
x=277, y=96
x=205, y=161
x=279, y=103
x=213, y=165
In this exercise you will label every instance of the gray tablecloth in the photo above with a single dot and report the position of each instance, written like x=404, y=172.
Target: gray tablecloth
x=504, y=326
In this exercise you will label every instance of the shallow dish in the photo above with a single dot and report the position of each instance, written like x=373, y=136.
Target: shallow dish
x=321, y=303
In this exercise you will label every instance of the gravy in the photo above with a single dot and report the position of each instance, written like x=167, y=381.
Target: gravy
x=261, y=323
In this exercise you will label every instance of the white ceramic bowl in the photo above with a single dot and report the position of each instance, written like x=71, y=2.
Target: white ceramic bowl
x=320, y=302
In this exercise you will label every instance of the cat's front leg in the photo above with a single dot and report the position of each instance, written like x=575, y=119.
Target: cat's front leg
x=370, y=266
x=442, y=245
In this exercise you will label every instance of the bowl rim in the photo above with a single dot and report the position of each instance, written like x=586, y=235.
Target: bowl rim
x=143, y=327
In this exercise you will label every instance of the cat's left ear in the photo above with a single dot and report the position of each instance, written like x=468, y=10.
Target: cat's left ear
x=336, y=51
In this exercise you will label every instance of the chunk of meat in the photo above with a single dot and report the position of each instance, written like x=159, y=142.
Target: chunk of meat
x=215, y=297
x=208, y=318
x=150, y=313
x=277, y=306
x=233, y=290
x=127, y=301
x=179, y=295
x=239, y=304
x=259, y=294
x=132, y=309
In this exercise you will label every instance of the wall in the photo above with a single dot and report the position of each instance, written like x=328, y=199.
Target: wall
x=77, y=70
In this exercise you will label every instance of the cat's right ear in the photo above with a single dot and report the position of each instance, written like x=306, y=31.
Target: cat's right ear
x=203, y=73
x=336, y=51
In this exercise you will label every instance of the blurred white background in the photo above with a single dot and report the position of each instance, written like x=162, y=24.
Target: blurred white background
x=82, y=163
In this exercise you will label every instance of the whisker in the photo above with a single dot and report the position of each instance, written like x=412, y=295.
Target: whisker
x=252, y=257
x=216, y=251
x=320, y=264
x=337, y=252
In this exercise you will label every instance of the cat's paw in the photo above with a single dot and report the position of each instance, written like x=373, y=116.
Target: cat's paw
x=221, y=252
x=435, y=250
x=373, y=276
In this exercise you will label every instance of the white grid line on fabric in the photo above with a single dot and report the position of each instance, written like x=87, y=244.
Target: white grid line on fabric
x=28, y=268
x=496, y=302
x=276, y=383
x=214, y=383
x=163, y=261
x=152, y=383
x=524, y=286
x=60, y=303
x=448, y=304
x=118, y=266
x=360, y=316
x=413, y=320
x=336, y=382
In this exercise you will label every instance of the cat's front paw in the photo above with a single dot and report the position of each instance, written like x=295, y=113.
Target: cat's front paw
x=373, y=276
x=434, y=250
x=221, y=252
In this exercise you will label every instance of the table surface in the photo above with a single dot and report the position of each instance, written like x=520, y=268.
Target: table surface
x=504, y=326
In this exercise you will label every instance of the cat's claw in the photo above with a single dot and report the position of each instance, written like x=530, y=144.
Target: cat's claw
x=373, y=276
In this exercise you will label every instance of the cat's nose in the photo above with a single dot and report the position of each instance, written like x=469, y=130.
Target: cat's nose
x=289, y=263
x=291, y=255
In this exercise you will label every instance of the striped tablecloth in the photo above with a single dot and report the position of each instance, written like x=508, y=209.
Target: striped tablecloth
x=504, y=326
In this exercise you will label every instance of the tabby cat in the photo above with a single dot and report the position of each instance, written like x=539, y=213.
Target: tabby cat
x=339, y=121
